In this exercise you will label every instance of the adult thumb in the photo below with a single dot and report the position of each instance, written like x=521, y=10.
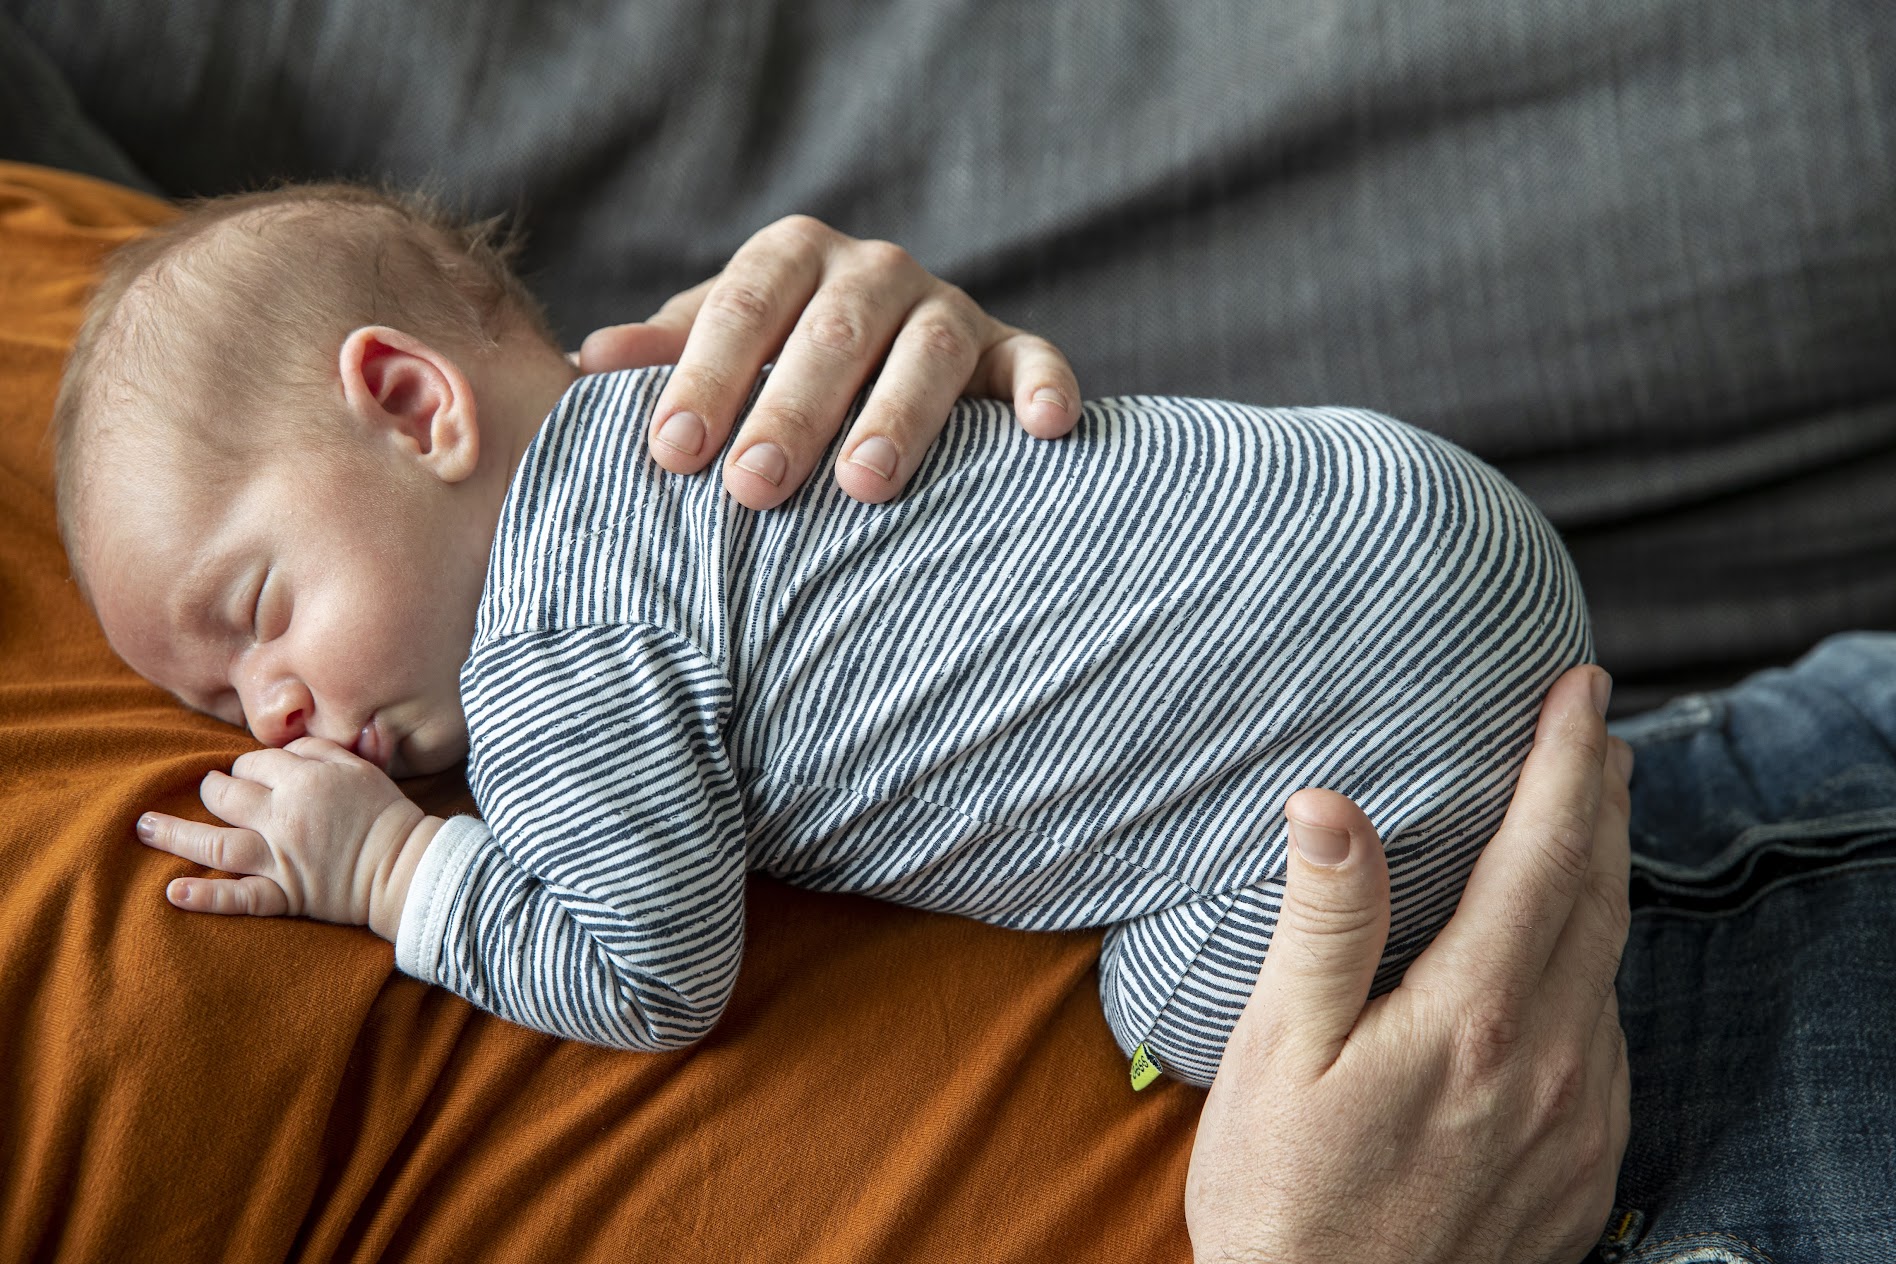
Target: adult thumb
x=1330, y=933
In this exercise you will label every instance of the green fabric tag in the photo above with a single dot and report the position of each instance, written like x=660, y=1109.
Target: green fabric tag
x=1145, y=1068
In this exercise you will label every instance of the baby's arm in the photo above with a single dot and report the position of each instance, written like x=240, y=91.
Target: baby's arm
x=606, y=903
x=316, y=832
x=603, y=897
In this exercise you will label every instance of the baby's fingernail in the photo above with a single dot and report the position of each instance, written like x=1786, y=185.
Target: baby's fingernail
x=684, y=432
x=1047, y=395
x=1319, y=844
x=181, y=889
x=765, y=460
x=147, y=828
x=875, y=454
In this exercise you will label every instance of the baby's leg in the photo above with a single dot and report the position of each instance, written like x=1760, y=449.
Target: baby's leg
x=1176, y=980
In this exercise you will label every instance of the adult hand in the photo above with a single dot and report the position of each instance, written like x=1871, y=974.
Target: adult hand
x=828, y=309
x=1479, y=1111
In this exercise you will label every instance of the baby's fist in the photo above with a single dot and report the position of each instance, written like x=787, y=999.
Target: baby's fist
x=315, y=831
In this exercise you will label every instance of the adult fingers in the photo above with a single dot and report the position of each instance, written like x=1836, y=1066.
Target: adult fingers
x=253, y=896
x=1586, y=957
x=659, y=339
x=744, y=317
x=1523, y=888
x=849, y=325
x=1329, y=936
x=213, y=846
x=1031, y=372
x=934, y=353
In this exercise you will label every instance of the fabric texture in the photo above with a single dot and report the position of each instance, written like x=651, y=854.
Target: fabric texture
x=1053, y=686
x=185, y=1087
x=1642, y=258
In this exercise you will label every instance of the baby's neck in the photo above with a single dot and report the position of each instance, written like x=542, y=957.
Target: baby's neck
x=517, y=389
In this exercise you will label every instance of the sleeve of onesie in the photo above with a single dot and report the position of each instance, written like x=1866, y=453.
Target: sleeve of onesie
x=603, y=899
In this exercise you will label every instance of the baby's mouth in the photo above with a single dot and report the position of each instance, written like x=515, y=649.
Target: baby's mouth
x=373, y=745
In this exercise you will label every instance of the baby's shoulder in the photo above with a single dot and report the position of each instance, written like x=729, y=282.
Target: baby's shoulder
x=589, y=516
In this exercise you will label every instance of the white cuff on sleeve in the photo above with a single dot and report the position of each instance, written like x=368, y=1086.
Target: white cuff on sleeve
x=431, y=894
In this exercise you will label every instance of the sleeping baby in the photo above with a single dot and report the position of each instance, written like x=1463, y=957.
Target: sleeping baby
x=324, y=472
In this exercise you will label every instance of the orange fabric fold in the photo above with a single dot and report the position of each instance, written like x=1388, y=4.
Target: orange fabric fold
x=886, y=1085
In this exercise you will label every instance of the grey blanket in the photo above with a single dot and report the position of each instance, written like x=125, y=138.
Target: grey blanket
x=1641, y=255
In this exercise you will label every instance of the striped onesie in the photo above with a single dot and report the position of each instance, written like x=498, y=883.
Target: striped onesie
x=1054, y=685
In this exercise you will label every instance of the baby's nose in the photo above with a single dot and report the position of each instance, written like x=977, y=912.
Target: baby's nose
x=282, y=714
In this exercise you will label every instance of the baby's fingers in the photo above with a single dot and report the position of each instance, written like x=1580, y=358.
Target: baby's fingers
x=252, y=896
x=214, y=847
x=235, y=799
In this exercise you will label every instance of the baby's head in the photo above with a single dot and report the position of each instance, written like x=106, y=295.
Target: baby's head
x=274, y=485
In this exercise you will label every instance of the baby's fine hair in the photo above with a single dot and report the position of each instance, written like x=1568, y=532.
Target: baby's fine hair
x=212, y=333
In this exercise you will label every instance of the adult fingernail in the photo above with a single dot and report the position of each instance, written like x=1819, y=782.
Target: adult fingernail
x=875, y=454
x=1622, y=756
x=765, y=460
x=684, y=432
x=147, y=828
x=1602, y=691
x=1319, y=844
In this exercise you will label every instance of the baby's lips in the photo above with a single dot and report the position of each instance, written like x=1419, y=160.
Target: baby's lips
x=368, y=745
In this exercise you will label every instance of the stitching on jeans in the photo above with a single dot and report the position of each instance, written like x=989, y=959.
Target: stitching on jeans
x=1679, y=718
x=1752, y=1253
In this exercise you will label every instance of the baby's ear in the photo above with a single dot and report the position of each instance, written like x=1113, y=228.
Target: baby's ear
x=404, y=391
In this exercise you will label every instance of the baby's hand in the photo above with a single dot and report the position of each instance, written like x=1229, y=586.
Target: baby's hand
x=318, y=832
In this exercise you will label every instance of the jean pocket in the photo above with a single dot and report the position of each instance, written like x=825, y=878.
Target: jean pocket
x=1762, y=859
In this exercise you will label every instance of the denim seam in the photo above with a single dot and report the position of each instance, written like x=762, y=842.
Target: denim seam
x=1678, y=718
x=1756, y=838
x=1829, y=871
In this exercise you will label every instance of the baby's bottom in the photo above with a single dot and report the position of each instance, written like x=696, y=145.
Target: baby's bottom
x=1176, y=980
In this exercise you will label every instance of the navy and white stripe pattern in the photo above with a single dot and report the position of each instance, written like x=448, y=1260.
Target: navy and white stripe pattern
x=1053, y=685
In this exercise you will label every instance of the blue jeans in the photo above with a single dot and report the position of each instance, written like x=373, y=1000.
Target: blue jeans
x=1758, y=989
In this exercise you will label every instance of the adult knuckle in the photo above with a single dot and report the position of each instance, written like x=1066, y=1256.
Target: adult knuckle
x=945, y=340
x=884, y=256
x=1325, y=914
x=1492, y=1033
x=802, y=233
x=1589, y=1143
x=1607, y=893
x=841, y=325
x=1561, y=1082
x=739, y=305
x=1568, y=837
